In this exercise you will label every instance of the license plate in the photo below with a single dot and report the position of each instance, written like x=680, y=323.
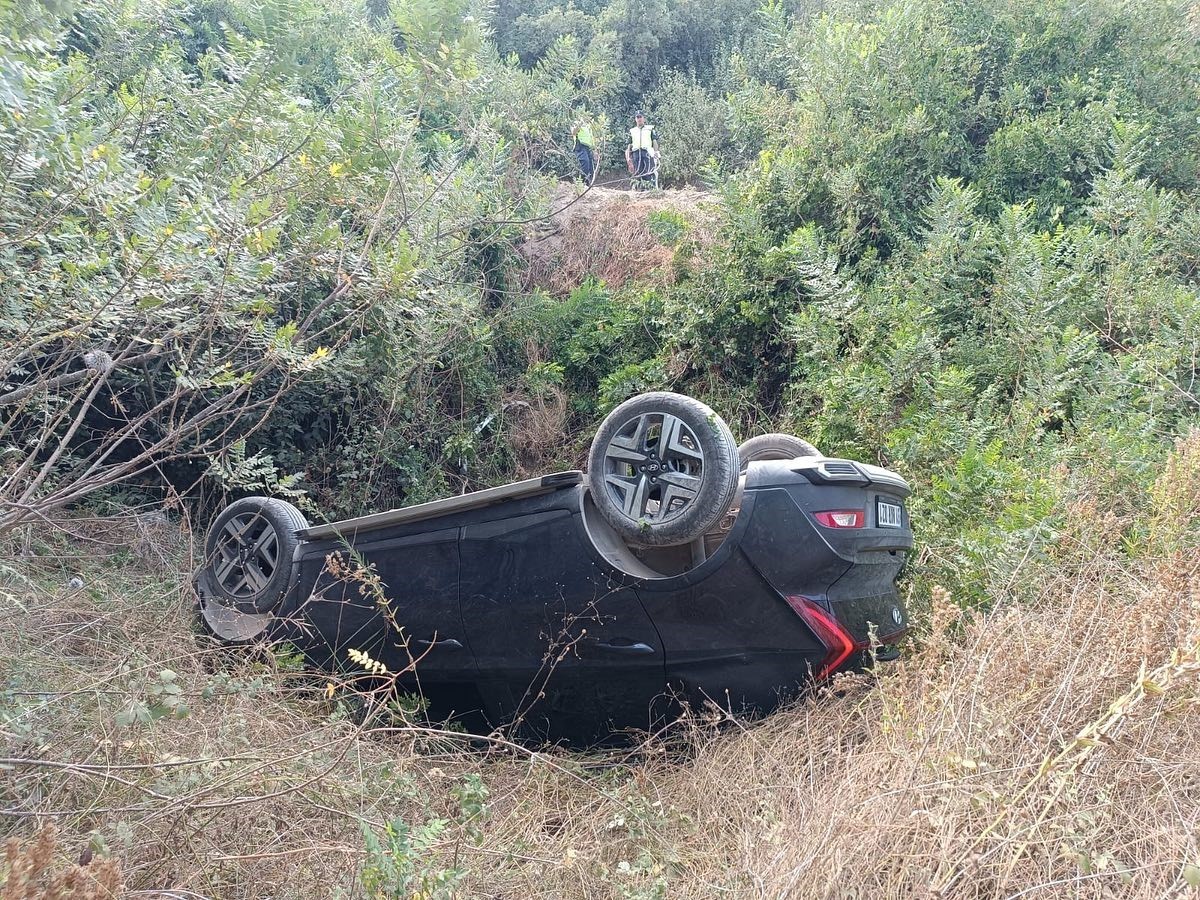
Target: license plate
x=887, y=515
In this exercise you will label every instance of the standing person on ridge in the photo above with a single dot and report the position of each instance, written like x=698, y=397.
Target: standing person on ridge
x=643, y=147
x=585, y=149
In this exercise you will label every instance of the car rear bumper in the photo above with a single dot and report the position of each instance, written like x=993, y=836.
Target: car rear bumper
x=852, y=571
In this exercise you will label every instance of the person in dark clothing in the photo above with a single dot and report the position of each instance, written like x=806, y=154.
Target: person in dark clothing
x=585, y=150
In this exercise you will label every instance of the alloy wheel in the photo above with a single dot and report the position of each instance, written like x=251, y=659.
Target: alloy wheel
x=653, y=467
x=247, y=555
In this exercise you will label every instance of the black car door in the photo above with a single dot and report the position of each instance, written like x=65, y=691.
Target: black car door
x=403, y=611
x=567, y=653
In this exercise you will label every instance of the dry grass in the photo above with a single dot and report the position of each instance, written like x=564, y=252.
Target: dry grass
x=30, y=873
x=1047, y=748
x=537, y=424
x=604, y=234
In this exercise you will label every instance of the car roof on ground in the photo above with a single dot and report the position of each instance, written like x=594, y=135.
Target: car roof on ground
x=436, y=508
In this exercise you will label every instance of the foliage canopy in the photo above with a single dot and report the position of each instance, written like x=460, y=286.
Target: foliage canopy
x=957, y=237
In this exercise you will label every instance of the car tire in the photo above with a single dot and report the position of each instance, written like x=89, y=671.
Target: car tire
x=656, y=490
x=248, y=555
x=774, y=446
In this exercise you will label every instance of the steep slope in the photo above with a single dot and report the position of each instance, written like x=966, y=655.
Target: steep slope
x=616, y=236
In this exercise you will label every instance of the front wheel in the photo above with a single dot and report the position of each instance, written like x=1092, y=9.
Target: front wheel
x=248, y=564
x=663, y=469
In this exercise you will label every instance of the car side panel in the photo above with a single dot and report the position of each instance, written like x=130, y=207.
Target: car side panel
x=730, y=638
x=414, y=630
x=857, y=581
x=786, y=548
x=571, y=651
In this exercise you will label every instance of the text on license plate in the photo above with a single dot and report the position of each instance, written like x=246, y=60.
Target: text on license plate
x=887, y=515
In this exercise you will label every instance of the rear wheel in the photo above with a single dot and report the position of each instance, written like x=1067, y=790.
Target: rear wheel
x=248, y=554
x=663, y=468
x=774, y=446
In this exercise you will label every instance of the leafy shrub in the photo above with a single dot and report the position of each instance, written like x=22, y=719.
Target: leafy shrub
x=176, y=278
x=397, y=865
x=959, y=239
x=667, y=226
x=691, y=127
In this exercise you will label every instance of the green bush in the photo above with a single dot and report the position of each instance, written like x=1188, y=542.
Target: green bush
x=957, y=239
x=692, y=129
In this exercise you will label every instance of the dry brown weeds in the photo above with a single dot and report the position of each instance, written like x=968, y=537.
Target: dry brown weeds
x=1049, y=747
x=604, y=233
x=537, y=423
x=30, y=875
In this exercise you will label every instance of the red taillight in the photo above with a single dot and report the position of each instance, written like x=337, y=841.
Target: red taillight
x=842, y=518
x=839, y=645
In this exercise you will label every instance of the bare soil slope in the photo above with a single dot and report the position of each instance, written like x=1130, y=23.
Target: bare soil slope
x=605, y=233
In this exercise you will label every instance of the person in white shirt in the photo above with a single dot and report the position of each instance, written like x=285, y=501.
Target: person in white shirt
x=643, y=147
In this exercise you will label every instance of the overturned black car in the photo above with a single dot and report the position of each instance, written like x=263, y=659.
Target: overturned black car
x=680, y=569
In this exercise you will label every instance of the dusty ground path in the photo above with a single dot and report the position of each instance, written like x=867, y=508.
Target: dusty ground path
x=609, y=234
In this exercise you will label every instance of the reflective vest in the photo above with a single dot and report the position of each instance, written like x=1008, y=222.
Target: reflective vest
x=584, y=136
x=641, y=137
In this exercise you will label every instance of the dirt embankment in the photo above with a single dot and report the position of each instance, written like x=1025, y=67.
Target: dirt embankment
x=615, y=236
